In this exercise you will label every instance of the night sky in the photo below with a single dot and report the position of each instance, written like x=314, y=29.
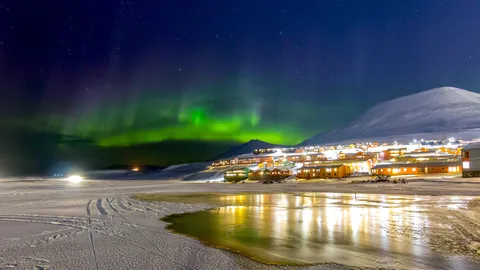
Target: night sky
x=125, y=72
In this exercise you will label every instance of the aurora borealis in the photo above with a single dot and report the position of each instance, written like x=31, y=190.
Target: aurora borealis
x=148, y=118
x=124, y=73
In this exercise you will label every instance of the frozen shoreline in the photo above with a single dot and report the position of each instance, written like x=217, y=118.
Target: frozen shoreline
x=128, y=234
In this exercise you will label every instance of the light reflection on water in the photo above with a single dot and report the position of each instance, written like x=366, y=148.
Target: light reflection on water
x=361, y=230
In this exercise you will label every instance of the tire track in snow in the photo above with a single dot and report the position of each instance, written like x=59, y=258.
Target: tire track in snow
x=101, y=210
x=122, y=205
x=74, y=226
x=146, y=207
x=152, y=244
x=90, y=229
x=150, y=208
x=53, y=220
x=110, y=204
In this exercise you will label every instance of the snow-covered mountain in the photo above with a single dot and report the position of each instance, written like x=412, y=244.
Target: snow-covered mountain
x=440, y=110
x=246, y=148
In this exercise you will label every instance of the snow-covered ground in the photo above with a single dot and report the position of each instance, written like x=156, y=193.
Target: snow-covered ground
x=96, y=225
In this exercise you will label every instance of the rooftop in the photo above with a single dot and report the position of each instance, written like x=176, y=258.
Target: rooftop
x=322, y=166
x=471, y=146
x=416, y=165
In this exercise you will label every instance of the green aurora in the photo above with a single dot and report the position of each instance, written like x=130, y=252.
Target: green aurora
x=239, y=111
x=150, y=119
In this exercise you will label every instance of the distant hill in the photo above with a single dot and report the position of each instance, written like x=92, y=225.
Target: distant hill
x=29, y=152
x=26, y=151
x=246, y=148
x=167, y=152
x=445, y=110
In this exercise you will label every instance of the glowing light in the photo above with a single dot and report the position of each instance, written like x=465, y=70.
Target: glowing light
x=135, y=169
x=74, y=179
x=466, y=165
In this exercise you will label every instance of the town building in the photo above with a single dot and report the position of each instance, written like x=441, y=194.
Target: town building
x=426, y=155
x=264, y=151
x=266, y=174
x=235, y=175
x=416, y=168
x=351, y=165
x=242, y=160
x=471, y=160
x=276, y=163
x=393, y=153
x=251, y=160
x=219, y=163
x=323, y=171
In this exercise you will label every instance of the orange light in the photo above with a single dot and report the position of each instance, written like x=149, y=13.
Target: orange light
x=135, y=169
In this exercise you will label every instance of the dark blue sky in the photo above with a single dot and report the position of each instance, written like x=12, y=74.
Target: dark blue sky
x=94, y=68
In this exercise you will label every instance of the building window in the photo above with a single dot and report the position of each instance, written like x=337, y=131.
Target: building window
x=329, y=169
x=414, y=169
x=466, y=165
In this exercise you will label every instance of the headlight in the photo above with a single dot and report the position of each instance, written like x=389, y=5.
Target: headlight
x=74, y=179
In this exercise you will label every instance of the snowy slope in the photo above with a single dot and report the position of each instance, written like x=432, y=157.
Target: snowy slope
x=439, y=110
x=246, y=148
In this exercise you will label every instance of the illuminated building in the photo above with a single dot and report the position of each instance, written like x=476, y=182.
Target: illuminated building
x=264, y=151
x=296, y=158
x=219, y=163
x=426, y=155
x=351, y=165
x=276, y=163
x=471, y=160
x=324, y=171
x=236, y=174
x=243, y=160
x=417, y=168
x=393, y=153
x=266, y=174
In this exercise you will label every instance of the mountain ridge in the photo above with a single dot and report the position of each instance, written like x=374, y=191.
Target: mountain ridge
x=246, y=148
x=444, y=109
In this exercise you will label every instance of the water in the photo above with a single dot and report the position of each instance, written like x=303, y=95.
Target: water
x=361, y=230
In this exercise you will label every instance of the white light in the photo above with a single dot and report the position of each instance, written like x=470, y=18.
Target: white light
x=466, y=165
x=74, y=179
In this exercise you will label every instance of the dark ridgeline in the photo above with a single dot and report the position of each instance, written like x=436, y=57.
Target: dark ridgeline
x=28, y=152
